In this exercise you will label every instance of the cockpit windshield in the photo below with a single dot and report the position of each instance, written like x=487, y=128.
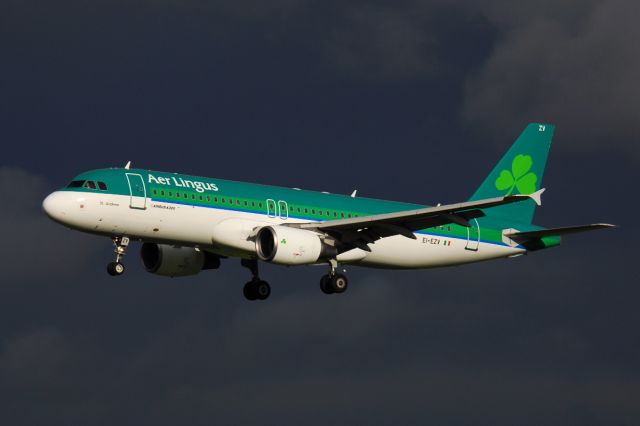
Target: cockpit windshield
x=88, y=184
x=76, y=184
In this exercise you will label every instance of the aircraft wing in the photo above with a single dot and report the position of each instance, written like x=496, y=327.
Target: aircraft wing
x=361, y=231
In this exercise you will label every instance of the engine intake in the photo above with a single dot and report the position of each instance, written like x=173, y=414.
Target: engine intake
x=172, y=261
x=291, y=246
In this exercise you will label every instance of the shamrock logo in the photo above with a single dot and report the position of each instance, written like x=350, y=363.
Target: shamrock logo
x=519, y=177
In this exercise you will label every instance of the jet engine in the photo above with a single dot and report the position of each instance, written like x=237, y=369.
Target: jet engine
x=291, y=246
x=175, y=261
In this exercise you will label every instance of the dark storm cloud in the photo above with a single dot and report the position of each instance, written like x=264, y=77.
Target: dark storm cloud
x=326, y=95
x=35, y=247
x=574, y=64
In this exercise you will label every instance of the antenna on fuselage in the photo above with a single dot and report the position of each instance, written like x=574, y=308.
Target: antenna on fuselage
x=128, y=165
x=353, y=194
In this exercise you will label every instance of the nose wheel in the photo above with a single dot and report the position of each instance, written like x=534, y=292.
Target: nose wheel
x=117, y=268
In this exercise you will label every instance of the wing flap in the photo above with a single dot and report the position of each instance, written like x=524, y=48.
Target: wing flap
x=359, y=232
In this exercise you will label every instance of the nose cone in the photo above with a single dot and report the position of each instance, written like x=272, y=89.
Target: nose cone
x=55, y=206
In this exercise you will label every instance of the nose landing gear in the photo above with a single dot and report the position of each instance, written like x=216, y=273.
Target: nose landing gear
x=117, y=267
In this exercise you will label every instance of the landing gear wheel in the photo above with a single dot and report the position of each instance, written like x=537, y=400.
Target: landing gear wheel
x=325, y=284
x=258, y=289
x=262, y=289
x=339, y=283
x=115, y=268
x=249, y=291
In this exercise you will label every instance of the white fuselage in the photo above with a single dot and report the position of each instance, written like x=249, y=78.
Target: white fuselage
x=196, y=226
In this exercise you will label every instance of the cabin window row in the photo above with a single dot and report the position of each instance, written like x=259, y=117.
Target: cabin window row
x=222, y=200
x=207, y=198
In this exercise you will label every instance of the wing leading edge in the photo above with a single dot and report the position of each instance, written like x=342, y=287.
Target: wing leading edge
x=358, y=232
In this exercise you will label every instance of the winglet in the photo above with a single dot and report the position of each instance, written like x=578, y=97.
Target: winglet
x=128, y=165
x=537, y=196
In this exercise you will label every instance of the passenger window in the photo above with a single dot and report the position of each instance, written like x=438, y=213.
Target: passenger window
x=102, y=186
x=155, y=192
x=162, y=193
x=177, y=195
x=201, y=198
x=170, y=194
x=208, y=199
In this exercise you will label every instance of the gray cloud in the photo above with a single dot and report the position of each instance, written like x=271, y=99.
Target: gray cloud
x=384, y=41
x=35, y=248
x=577, y=68
x=548, y=338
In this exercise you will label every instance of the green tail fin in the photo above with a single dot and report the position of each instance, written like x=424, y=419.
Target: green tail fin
x=520, y=171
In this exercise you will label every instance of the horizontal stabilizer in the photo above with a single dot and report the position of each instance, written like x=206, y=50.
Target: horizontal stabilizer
x=524, y=236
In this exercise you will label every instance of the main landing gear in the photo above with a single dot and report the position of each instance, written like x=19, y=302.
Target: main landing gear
x=333, y=282
x=121, y=244
x=256, y=289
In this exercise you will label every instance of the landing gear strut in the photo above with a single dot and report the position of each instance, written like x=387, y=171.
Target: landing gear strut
x=256, y=289
x=121, y=244
x=333, y=282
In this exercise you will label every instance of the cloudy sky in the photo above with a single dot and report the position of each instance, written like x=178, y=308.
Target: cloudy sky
x=403, y=100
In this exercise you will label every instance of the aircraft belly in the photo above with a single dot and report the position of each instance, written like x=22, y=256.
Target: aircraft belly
x=402, y=252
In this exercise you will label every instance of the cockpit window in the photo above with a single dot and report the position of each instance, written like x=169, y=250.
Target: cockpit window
x=102, y=186
x=76, y=184
x=89, y=184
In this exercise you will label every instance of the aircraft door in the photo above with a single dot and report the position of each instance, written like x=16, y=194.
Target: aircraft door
x=473, y=235
x=137, y=190
x=271, y=208
x=283, y=210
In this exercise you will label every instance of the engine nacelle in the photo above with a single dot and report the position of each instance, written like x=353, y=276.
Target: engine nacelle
x=291, y=246
x=172, y=261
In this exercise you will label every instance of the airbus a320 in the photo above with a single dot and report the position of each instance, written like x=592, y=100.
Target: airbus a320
x=188, y=224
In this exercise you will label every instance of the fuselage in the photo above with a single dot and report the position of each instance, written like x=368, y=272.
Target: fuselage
x=170, y=208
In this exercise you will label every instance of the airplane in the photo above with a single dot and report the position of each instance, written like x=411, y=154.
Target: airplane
x=188, y=223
